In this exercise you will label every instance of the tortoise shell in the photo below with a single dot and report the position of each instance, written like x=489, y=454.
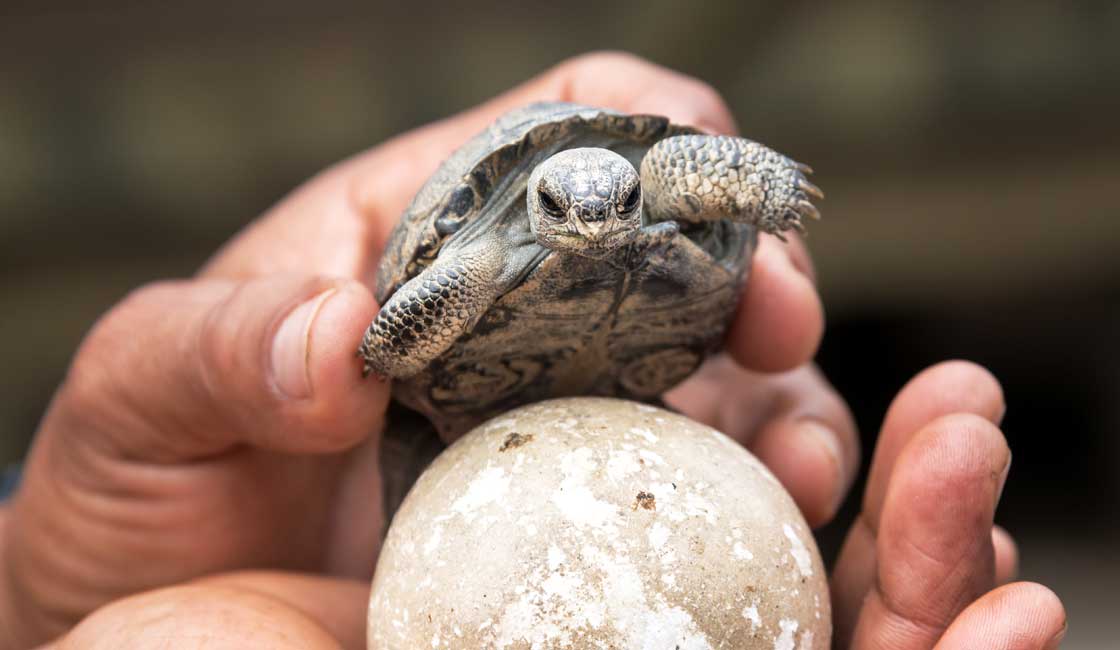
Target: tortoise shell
x=632, y=326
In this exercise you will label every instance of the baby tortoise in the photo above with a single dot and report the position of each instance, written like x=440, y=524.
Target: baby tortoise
x=539, y=262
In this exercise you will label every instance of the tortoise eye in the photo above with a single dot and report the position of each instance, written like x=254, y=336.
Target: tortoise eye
x=549, y=205
x=632, y=199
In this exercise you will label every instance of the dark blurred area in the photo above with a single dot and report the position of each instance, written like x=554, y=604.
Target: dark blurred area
x=971, y=156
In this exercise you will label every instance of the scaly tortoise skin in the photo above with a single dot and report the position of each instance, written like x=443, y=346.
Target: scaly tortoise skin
x=538, y=262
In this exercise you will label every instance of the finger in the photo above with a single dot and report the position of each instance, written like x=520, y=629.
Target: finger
x=934, y=545
x=851, y=579
x=794, y=422
x=359, y=201
x=799, y=256
x=804, y=455
x=592, y=79
x=338, y=605
x=267, y=362
x=779, y=321
x=263, y=611
x=1007, y=555
x=1020, y=616
x=950, y=387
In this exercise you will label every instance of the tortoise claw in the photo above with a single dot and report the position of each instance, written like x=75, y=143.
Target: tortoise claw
x=367, y=368
x=807, y=209
x=367, y=372
x=810, y=189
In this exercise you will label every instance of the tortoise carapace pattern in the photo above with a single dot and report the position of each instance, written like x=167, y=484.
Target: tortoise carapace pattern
x=570, y=250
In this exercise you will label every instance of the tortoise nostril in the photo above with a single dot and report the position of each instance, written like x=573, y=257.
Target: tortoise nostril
x=593, y=211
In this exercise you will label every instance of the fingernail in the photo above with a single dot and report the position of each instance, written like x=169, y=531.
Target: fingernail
x=1056, y=640
x=1002, y=480
x=290, y=346
x=1000, y=415
x=825, y=438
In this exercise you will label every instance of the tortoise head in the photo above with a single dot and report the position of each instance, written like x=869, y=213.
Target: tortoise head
x=584, y=201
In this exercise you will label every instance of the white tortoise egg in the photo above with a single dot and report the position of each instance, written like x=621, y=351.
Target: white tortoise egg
x=598, y=523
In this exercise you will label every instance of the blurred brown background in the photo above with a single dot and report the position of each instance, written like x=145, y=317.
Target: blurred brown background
x=971, y=156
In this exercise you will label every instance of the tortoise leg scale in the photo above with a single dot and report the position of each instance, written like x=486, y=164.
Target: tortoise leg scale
x=708, y=177
x=426, y=315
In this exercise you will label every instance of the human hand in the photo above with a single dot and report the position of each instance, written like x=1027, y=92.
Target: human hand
x=220, y=423
x=923, y=566
x=920, y=568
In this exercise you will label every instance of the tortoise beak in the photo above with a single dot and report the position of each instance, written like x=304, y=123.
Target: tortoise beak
x=598, y=225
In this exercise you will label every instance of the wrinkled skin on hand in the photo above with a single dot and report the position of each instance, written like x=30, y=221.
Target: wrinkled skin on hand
x=219, y=424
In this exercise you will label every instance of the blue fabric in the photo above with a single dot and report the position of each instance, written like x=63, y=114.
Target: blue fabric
x=9, y=479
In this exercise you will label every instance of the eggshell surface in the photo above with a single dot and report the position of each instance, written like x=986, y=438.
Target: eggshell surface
x=598, y=523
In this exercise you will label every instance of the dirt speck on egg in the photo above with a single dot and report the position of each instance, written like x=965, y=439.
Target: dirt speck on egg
x=515, y=440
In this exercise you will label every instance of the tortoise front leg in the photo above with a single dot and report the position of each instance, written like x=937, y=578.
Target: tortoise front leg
x=426, y=315
x=708, y=177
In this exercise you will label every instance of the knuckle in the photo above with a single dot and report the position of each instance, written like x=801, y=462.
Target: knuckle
x=216, y=352
x=85, y=388
x=137, y=620
x=147, y=301
x=132, y=310
x=712, y=111
x=599, y=59
x=99, y=369
x=709, y=99
x=824, y=402
x=706, y=105
x=836, y=409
